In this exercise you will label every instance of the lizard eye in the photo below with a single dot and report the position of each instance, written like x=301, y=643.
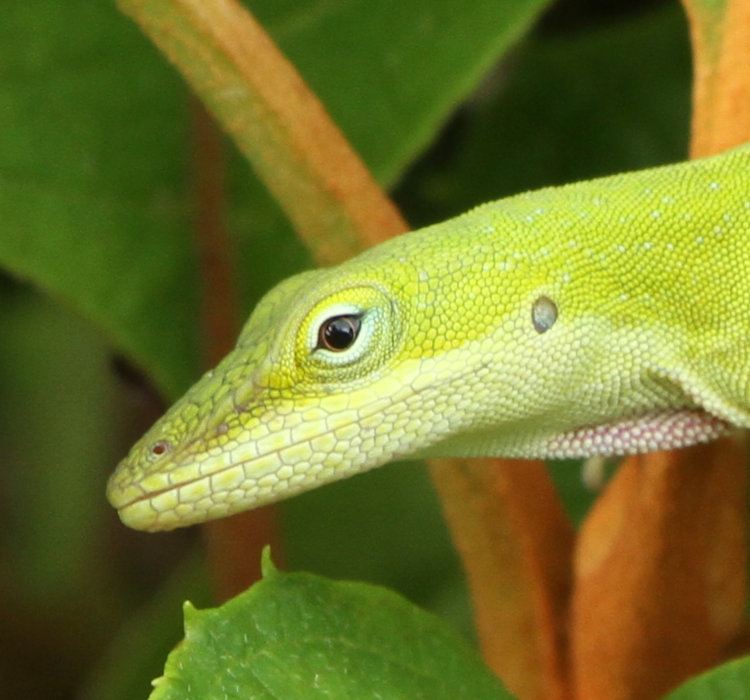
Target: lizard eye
x=339, y=333
x=340, y=340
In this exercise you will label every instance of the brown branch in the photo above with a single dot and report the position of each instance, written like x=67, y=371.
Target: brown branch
x=220, y=303
x=275, y=120
x=660, y=572
x=516, y=544
x=720, y=34
x=234, y=544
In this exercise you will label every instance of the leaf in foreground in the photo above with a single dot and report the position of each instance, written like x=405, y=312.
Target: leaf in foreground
x=730, y=681
x=303, y=636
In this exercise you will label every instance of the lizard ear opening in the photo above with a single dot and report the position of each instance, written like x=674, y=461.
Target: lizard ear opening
x=543, y=314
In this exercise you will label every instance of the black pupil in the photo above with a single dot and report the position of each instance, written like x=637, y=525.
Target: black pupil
x=339, y=333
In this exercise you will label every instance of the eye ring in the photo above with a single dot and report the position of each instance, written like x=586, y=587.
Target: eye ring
x=371, y=333
x=339, y=333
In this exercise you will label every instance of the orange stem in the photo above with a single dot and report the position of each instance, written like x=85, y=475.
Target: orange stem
x=660, y=572
x=515, y=542
x=720, y=35
x=234, y=544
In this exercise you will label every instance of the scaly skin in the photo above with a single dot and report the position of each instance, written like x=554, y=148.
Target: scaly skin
x=604, y=317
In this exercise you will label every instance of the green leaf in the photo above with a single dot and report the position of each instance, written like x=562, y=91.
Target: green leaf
x=303, y=636
x=730, y=681
x=94, y=197
x=569, y=108
x=390, y=73
x=91, y=203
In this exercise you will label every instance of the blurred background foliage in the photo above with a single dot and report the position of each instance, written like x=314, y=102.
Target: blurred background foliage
x=99, y=294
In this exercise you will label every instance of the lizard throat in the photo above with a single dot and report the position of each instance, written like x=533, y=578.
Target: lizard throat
x=646, y=433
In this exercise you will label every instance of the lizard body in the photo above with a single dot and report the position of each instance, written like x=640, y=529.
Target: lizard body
x=604, y=317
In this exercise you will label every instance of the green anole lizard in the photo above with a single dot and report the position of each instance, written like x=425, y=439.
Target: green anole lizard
x=600, y=318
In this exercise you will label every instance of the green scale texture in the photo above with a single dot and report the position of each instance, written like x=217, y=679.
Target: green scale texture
x=600, y=318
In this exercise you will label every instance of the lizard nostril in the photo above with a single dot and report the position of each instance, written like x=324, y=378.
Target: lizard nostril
x=159, y=448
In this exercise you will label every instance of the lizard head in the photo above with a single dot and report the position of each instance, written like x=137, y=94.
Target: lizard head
x=386, y=356
x=287, y=409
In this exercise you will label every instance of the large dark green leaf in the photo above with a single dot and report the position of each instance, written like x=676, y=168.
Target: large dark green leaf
x=93, y=198
x=566, y=108
x=92, y=141
x=390, y=72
